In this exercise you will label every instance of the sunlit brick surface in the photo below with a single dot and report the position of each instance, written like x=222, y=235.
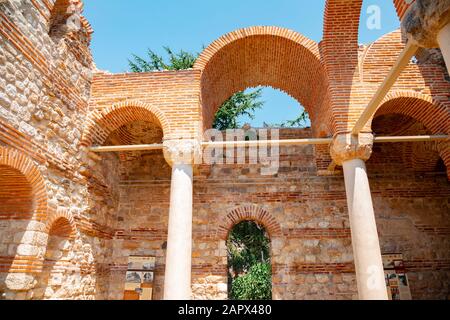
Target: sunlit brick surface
x=69, y=219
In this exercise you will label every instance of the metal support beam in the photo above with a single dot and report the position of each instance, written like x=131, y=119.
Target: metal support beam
x=411, y=139
x=139, y=147
x=401, y=63
x=289, y=142
x=255, y=143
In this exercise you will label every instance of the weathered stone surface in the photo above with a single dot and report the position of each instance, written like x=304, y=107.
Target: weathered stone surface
x=182, y=151
x=425, y=19
x=19, y=281
x=347, y=147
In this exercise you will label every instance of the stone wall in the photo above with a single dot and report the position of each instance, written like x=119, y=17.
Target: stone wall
x=306, y=217
x=45, y=79
x=69, y=219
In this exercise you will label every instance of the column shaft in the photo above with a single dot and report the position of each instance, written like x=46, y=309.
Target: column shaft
x=444, y=43
x=177, y=281
x=366, y=247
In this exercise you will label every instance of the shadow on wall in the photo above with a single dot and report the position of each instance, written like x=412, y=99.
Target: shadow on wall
x=55, y=281
x=19, y=235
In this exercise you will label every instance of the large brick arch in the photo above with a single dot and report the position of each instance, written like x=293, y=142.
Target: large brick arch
x=261, y=56
x=101, y=123
x=340, y=54
x=339, y=51
x=16, y=160
x=347, y=13
x=381, y=56
x=433, y=115
x=341, y=32
x=249, y=213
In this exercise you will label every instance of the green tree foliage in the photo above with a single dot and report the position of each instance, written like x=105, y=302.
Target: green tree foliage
x=177, y=61
x=249, y=262
x=300, y=122
x=255, y=285
x=240, y=104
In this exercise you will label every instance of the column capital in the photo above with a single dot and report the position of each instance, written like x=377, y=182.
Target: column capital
x=347, y=147
x=184, y=151
x=423, y=21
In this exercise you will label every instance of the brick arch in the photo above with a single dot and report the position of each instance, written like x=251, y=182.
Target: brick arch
x=20, y=162
x=434, y=115
x=340, y=54
x=61, y=223
x=249, y=213
x=103, y=122
x=380, y=57
x=261, y=56
x=339, y=50
x=344, y=16
x=424, y=156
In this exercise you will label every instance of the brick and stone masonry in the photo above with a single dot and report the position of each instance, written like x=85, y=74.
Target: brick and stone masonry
x=69, y=218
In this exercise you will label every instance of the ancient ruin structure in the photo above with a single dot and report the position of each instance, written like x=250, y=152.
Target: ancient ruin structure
x=70, y=216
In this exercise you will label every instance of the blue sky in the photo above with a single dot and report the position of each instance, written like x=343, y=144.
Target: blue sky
x=124, y=27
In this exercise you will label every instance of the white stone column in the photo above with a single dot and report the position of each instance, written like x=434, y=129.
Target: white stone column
x=180, y=155
x=177, y=281
x=351, y=152
x=443, y=38
x=366, y=246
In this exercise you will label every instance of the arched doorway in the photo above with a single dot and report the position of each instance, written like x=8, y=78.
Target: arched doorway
x=249, y=262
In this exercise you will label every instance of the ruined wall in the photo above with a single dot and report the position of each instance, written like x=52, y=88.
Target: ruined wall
x=69, y=220
x=306, y=218
x=412, y=211
x=45, y=78
x=172, y=96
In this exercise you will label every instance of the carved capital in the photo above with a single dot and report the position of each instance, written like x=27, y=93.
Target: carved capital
x=347, y=147
x=182, y=151
x=424, y=19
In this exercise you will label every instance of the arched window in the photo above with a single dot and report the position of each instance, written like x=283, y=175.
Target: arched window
x=249, y=262
x=273, y=109
x=229, y=66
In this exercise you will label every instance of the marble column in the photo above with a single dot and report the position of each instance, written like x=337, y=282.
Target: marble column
x=352, y=152
x=177, y=279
